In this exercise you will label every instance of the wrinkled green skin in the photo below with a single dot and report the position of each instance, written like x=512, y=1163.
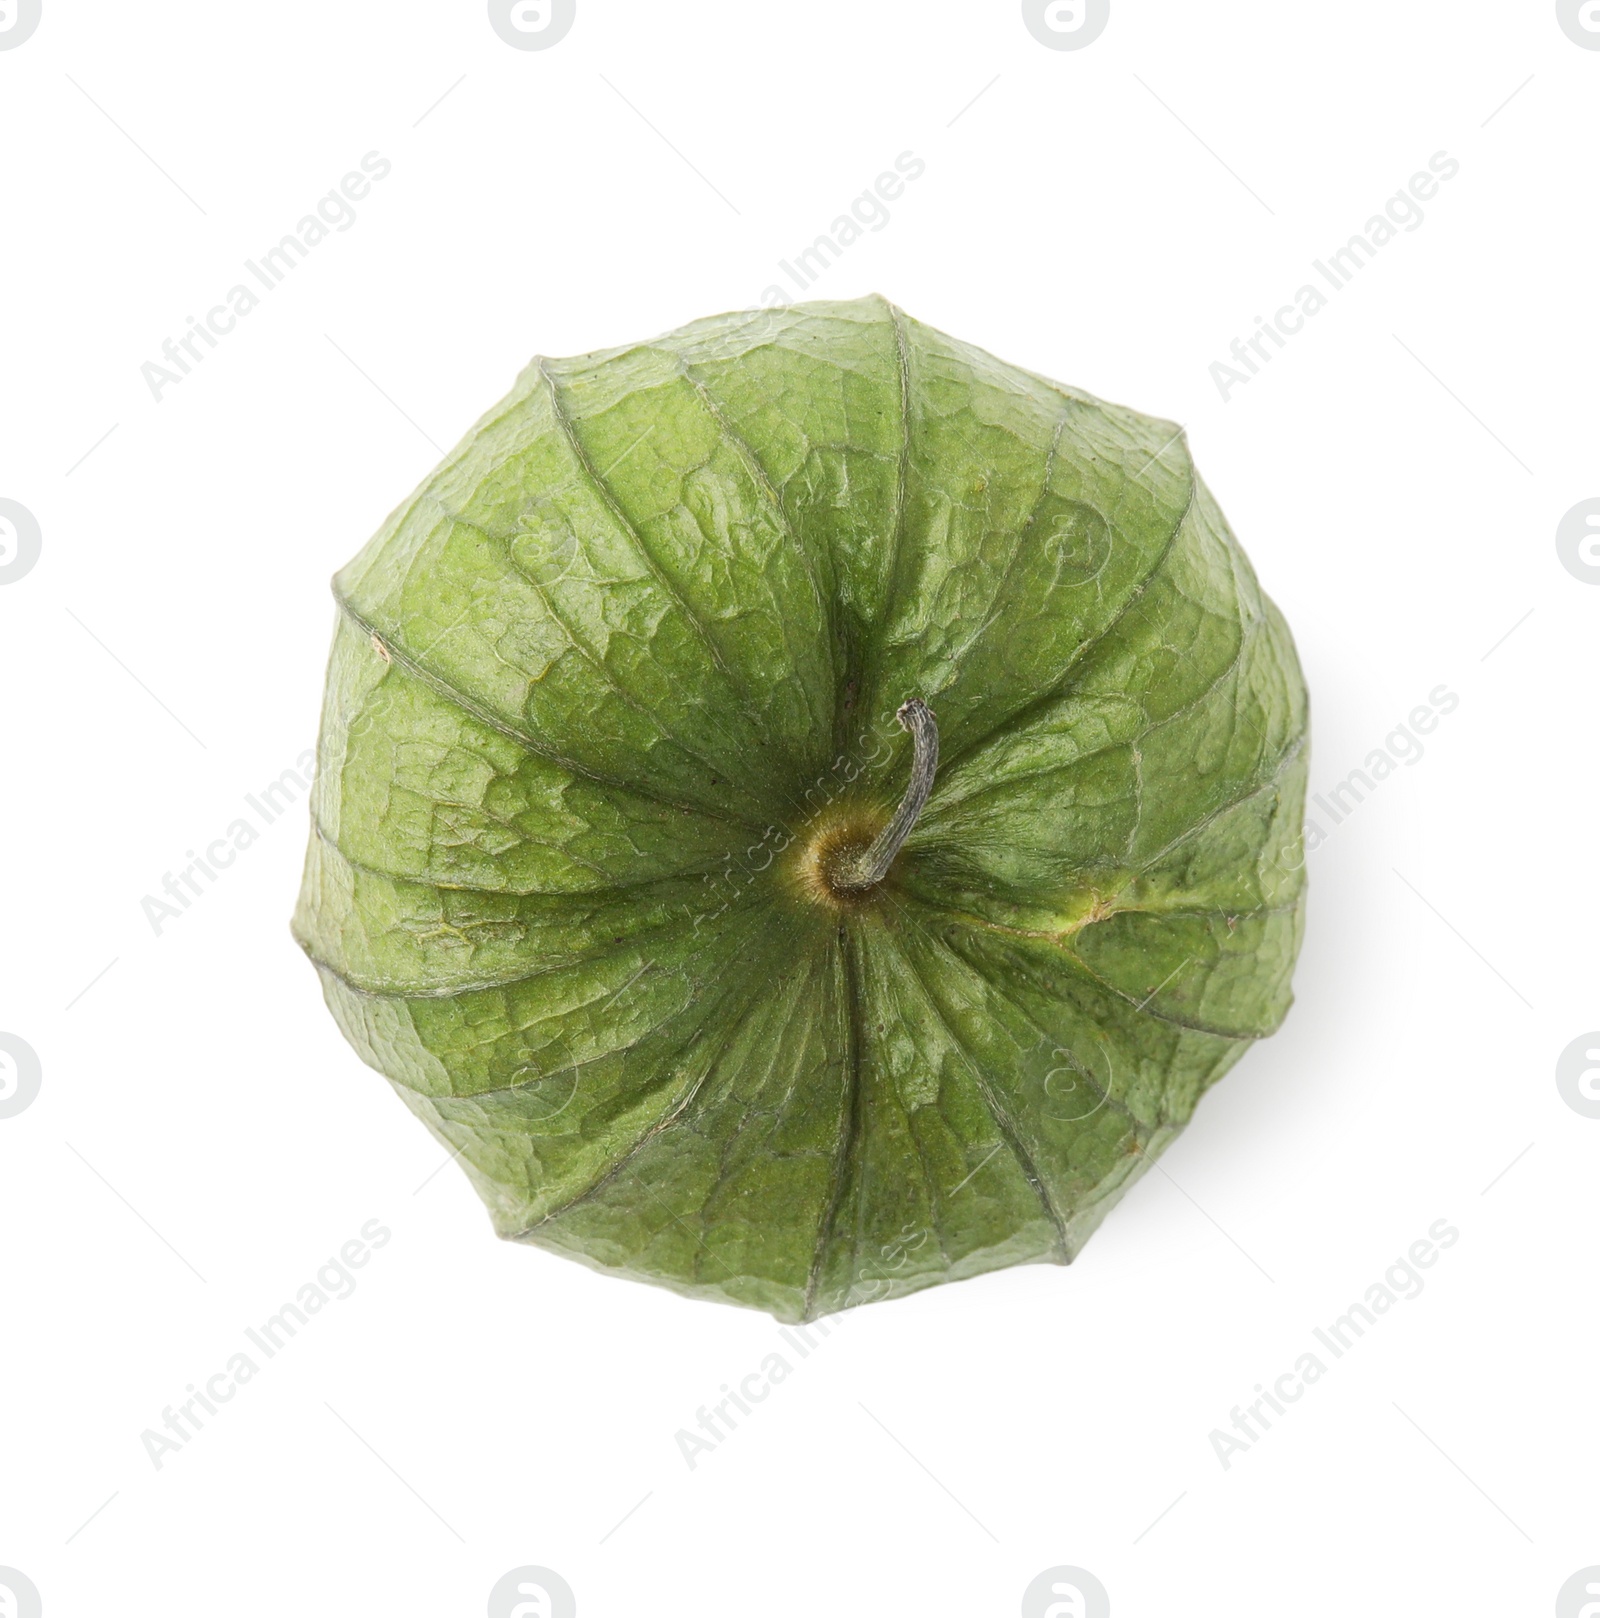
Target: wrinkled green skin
x=590, y=689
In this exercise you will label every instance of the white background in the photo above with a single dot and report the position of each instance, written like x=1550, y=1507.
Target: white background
x=1113, y=217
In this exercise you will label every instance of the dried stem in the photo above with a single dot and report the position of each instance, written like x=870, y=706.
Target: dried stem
x=873, y=864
